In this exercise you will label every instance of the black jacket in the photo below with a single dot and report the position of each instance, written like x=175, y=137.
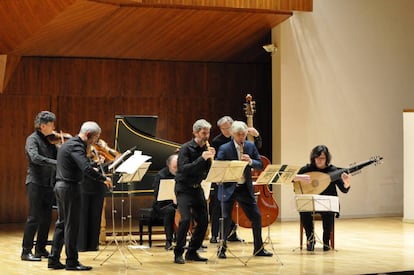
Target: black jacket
x=41, y=155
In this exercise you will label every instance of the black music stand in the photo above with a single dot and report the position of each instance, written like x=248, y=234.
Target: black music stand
x=133, y=169
x=113, y=211
x=275, y=174
x=316, y=203
x=128, y=179
x=220, y=172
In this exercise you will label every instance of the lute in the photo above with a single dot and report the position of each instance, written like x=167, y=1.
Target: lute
x=320, y=181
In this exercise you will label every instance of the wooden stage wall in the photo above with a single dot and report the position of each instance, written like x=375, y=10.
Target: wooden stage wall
x=80, y=89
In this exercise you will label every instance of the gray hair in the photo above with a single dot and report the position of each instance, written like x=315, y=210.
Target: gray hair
x=238, y=126
x=223, y=120
x=201, y=124
x=90, y=127
x=170, y=158
x=44, y=117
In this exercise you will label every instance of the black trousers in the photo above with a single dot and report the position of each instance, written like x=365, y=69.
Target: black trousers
x=252, y=212
x=40, y=216
x=191, y=205
x=90, y=220
x=215, y=213
x=327, y=223
x=67, y=225
x=167, y=212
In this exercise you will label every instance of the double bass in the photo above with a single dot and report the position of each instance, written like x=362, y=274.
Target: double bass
x=265, y=201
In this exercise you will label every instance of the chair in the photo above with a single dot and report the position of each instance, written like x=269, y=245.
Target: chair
x=317, y=217
x=146, y=217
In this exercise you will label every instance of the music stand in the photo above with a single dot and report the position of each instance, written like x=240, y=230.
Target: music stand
x=316, y=203
x=225, y=171
x=128, y=178
x=133, y=169
x=275, y=174
x=113, y=211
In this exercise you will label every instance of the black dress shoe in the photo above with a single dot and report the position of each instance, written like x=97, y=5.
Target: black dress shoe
x=178, y=259
x=263, y=253
x=42, y=253
x=30, y=257
x=221, y=253
x=234, y=238
x=193, y=256
x=168, y=245
x=213, y=240
x=53, y=264
x=79, y=267
x=310, y=246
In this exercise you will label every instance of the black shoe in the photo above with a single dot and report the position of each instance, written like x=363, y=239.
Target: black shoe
x=234, y=238
x=310, y=245
x=193, y=256
x=263, y=253
x=42, y=253
x=178, y=259
x=326, y=247
x=221, y=253
x=55, y=264
x=79, y=267
x=168, y=245
x=213, y=240
x=30, y=257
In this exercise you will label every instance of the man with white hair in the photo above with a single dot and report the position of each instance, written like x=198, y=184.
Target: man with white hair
x=72, y=165
x=242, y=192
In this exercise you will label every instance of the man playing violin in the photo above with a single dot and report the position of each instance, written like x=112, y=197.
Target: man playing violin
x=40, y=180
x=228, y=192
x=72, y=166
x=194, y=162
x=92, y=199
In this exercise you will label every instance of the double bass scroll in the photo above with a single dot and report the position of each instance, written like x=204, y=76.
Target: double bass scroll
x=264, y=196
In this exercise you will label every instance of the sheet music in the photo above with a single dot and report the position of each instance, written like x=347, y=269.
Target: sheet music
x=206, y=185
x=132, y=163
x=166, y=190
x=136, y=176
x=226, y=171
x=318, y=203
x=278, y=174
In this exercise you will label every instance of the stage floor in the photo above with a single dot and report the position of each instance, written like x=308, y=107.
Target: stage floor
x=362, y=246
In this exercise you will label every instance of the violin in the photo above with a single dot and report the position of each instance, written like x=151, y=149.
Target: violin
x=103, y=149
x=58, y=138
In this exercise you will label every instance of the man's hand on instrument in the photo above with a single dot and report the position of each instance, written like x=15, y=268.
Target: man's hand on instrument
x=302, y=177
x=108, y=183
x=208, y=154
x=346, y=178
x=253, y=132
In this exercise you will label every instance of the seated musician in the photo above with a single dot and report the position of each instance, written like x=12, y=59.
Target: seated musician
x=166, y=209
x=240, y=149
x=320, y=161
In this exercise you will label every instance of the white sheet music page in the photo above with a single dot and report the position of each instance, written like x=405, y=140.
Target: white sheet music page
x=166, y=190
x=132, y=163
x=206, y=185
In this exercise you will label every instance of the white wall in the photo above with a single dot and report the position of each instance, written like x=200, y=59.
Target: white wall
x=346, y=74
